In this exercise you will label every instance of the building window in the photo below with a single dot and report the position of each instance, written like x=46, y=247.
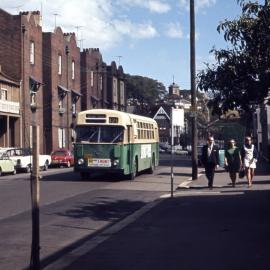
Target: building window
x=114, y=90
x=73, y=108
x=60, y=104
x=3, y=94
x=59, y=64
x=33, y=99
x=92, y=78
x=30, y=136
x=73, y=70
x=122, y=93
x=100, y=82
x=32, y=52
x=61, y=138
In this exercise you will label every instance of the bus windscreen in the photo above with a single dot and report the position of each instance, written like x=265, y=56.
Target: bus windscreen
x=99, y=134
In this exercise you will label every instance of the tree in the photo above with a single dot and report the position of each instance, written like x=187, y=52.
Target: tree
x=144, y=92
x=241, y=75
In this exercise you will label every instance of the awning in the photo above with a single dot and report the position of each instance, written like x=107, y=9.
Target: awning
x=95, y=98
x=34, y=84
x=74, y=92
x=75, y=95
x=63, y=91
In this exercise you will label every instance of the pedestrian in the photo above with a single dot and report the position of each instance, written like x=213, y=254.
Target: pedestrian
x=210, y=160
x=233, y=161
x=249, y=155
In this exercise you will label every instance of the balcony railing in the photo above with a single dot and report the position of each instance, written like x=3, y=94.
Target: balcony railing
x=9, y=106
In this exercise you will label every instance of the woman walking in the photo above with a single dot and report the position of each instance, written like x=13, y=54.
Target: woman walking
x=249, y=156
x=233, y=161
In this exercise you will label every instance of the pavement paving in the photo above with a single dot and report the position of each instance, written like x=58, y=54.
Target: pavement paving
x=197, y=228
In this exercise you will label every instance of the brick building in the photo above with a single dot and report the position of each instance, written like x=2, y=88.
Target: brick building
x=93, y=80
x=116, y=87
x=21, y=58
x=62, y=91
x=10, y=118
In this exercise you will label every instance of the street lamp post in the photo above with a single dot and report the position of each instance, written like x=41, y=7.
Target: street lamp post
x=193, y=93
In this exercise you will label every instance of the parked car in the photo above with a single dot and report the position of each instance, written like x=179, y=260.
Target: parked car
x=6, y=164
x=62, y=157
x=23, y=158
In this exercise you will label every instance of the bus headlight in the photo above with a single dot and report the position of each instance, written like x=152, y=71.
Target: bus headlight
x=80, y=161
x=115, y=162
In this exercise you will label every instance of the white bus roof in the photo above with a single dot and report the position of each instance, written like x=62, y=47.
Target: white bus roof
x=124, y=118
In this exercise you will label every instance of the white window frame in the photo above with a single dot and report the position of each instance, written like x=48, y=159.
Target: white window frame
x=73, y=70
x=32, y=52
x=61, y=138
x=59, y=64
x=3, y=94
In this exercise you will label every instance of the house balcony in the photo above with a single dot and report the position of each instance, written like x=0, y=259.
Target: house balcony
x=9, y=107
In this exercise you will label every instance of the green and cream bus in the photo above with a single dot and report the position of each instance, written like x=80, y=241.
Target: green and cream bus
x=109, y=141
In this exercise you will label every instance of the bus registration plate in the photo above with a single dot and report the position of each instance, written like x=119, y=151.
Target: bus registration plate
x=99, y=162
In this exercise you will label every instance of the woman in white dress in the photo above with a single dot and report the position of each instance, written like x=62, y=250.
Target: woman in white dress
x=249, y=156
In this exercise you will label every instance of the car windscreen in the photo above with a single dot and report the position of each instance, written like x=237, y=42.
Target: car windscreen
x=99, y=134
x=59, y=153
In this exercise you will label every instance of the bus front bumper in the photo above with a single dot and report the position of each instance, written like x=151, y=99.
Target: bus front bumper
x=98, y=170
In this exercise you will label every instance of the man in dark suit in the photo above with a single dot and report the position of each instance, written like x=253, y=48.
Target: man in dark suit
x=210, y=160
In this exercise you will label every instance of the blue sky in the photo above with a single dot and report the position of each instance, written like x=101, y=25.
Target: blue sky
x=151, y=36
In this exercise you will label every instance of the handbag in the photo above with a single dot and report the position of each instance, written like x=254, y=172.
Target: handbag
x=242, y=173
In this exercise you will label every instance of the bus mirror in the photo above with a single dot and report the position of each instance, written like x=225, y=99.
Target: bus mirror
x=116, y=152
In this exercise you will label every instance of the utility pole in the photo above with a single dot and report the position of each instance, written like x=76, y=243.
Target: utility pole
x=119, y=59
x=193, y=93
x=68, y=110
x=55, y=15
x=35, y=190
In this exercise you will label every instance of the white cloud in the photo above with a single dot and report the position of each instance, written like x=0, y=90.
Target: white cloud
x=98, y=21
x=174, y=30
x=155, y=6
x=136, y=31
x=199, y=4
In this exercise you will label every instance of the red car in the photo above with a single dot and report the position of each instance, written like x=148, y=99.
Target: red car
x=62, y=157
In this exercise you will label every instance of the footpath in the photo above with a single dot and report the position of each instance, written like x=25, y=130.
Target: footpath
x=197, y=228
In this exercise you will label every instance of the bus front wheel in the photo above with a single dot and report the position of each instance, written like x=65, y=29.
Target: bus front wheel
x=84, y=175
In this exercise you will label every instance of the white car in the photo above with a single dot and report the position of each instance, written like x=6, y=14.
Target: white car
x=23, y=159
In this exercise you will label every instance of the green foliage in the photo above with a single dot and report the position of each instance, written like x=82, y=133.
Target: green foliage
x=241, y=75
x=144, y=92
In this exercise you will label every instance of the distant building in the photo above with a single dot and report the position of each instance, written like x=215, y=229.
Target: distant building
x=10, y=117
x=93, y=80
x=117, y=96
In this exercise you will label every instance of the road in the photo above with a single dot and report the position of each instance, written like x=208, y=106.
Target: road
x=72, y=210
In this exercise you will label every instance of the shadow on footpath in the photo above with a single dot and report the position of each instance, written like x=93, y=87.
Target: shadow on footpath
x=181, y=231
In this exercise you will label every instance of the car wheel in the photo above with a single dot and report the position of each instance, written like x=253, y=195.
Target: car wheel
x=46, y=165
x=68, y=164
x=14, y=172
x=1, y=172
x=28, y=169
